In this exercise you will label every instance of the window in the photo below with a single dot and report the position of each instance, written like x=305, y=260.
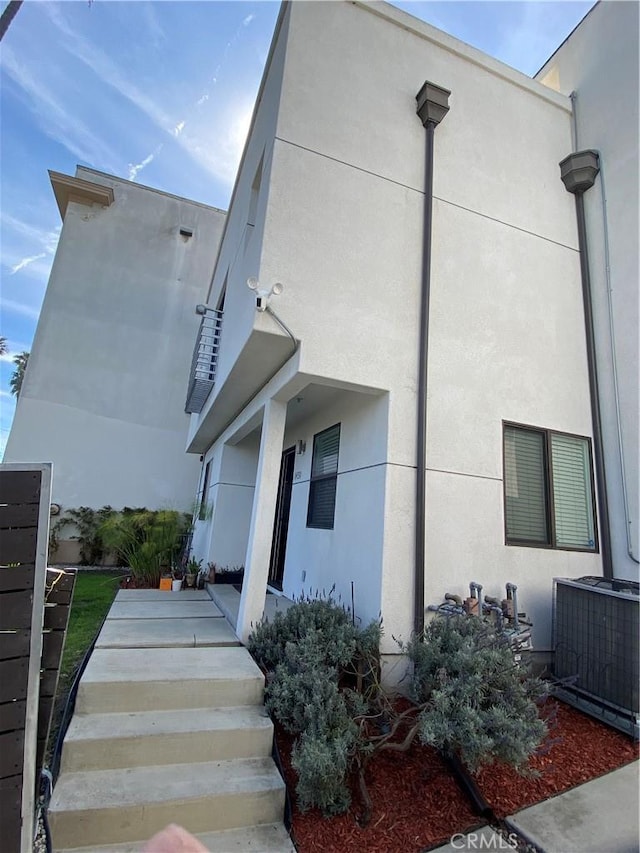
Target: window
x=548, y=489
x=324, y=476
x=202, y=512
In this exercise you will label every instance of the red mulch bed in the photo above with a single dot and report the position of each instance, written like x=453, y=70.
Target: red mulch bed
x=418, y=804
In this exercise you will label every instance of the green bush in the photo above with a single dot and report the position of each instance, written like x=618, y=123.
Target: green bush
x=471, y=699
x=314, y=651
x=147, y=541
x=269, y=640
x=476, y=702
x=87, y=523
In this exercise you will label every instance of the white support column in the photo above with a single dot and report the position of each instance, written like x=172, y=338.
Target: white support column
x=256, y=567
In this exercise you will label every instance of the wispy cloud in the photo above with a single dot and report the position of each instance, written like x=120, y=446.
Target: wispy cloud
x=201, y=100
x=4, y=393
x=248, y=20
x=26, y=261
x=19, y=308
x=177, y=130
x=104, y=68
x=135, y=170
x=53, y=118
x=39, y=243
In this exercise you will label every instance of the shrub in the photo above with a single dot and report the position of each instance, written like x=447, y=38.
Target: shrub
x=147, y=541
x=476, y=702
x=471, y=699
x=88, y=525
x=269, y=640
x=313, y=651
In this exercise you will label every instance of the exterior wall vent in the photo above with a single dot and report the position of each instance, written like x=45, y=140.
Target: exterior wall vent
x=595, y=641
x=186, y=232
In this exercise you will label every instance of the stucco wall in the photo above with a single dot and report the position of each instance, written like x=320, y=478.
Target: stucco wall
x=342, y=230
x=317, y=559
x=103, y=396
x=506, y=326
x=599, y=62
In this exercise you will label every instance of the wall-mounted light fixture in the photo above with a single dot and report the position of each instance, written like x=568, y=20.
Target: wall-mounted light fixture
x=263, y=295
x=202, y=309
x=301, y=446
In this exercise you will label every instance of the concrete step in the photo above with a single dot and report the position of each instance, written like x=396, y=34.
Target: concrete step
x=118, y=680
x=172, y=608
x=145, y=738
x=154, y=595
x=165, y=633
x=266, y=838
x=115, y=806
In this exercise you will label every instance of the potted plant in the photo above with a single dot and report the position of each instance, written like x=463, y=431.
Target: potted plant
x=229, y=574
x=178, y=576
x=192, y=571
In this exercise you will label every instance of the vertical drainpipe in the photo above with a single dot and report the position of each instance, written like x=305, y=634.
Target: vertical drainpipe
x=433, y=105
x=578, y=172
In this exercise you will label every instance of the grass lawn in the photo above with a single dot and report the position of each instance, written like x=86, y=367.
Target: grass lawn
x=94, y=593
x=92, y=599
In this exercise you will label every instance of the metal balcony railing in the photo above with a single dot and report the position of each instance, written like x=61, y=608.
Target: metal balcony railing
x=204, y=362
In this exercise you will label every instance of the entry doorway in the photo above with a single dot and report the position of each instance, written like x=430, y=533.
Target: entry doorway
x=281, y=521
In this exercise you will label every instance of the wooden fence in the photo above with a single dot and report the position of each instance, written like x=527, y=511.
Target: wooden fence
x=25, y=492
x=58, y=598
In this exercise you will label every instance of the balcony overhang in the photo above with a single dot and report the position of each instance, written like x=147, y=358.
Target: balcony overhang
x=261, y=356
x=204, y=363
x=66, y=189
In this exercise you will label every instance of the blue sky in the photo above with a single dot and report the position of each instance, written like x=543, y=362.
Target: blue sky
x=162, y=93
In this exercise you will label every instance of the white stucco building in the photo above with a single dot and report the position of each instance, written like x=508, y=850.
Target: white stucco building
x=308, y=422
x=598, y=66
x=103, y=395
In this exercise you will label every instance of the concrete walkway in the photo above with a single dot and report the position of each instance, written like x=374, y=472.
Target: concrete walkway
x=169, y=727
x=227, y=598
x=601, y=816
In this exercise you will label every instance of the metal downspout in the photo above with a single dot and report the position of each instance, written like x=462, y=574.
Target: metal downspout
x=578, y=172
x=433, y=105
x=612, y=332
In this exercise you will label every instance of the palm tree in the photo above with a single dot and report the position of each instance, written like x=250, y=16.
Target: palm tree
x=15, y=383
x=3, y=345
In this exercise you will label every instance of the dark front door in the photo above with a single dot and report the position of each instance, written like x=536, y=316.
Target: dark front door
x=281, y=523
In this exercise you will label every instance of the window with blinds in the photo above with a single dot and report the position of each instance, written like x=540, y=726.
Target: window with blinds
x=572, y=494
x=548, y=489
x=324, y=477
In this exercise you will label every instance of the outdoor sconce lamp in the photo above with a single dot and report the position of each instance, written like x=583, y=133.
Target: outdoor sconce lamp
x=301, y=446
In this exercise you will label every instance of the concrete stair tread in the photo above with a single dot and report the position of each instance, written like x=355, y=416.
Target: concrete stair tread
x=190, y=664
x=264, y=838
x=135, y=724
x=155, y=595
x=165, y=633
x=172, y=608
x=144, y=738
x=166, y=679
x=171, y=783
